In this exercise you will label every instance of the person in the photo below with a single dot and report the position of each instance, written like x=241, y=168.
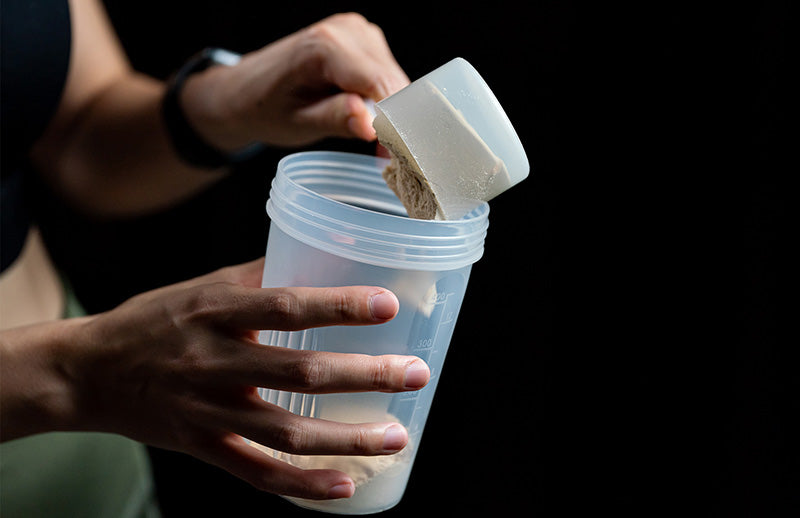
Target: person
x=176, y=367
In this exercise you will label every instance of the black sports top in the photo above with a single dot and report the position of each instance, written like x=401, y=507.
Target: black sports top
x=35, y=38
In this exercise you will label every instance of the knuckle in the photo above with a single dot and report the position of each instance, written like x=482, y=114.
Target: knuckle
x=292, y=437
x=308, y=373
x=323, y=31
x=357, y=22
x=313, y=47
x=232, y=274
x=362, y=442
x=345, y=18
x=354, y=18
x=284, y=306
x=342, y=305
x=331, y=29
x=375, y=29
x=382, y=375
x=201, y=303
x=191, y=366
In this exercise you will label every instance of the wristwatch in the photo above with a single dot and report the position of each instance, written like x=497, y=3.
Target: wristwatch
x=190, y=146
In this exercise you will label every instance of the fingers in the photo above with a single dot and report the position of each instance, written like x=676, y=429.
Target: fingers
x=245, y=361
x=290, y=309
x=341, y=115
x=319, y=373
x=231, y=453
x=314, y=372
x=310, y=85
x=284, y=431
x=357, y=57
x=245, y=414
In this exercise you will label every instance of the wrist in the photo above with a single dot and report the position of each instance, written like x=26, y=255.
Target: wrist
x=211, y=112
x=199, y=113
x=38, y=392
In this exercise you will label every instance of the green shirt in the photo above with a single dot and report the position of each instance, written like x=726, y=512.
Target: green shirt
x=75, y=474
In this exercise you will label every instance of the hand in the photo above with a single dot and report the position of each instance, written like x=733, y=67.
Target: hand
x=304, y=87
x=177, y=368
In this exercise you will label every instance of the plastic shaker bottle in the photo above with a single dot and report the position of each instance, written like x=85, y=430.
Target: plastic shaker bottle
x=335, y=222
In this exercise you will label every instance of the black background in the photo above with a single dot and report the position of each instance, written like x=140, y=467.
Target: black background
x=622, y=345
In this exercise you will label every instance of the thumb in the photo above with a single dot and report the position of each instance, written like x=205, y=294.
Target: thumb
x=340, y=115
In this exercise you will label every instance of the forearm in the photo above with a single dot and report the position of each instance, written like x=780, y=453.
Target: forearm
x=36, y=389
x=106, y=148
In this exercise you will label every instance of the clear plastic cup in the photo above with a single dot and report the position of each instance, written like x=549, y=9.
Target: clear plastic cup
x=450, y=124
x=334, y=222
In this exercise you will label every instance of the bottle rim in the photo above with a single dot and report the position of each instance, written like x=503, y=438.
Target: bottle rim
x=338, y=202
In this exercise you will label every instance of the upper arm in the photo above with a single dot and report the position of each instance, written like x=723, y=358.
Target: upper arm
x=97, y=61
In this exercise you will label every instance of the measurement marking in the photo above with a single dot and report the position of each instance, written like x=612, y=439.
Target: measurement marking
x=441, y=300
x=423, y=344
x=448, y=320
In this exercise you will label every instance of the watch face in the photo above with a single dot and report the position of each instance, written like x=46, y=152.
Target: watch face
x=223, y=57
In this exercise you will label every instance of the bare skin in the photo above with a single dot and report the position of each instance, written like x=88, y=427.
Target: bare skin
x=107, y=149
x=178, y=367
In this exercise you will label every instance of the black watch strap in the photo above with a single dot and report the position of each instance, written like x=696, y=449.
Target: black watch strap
x=190, y=146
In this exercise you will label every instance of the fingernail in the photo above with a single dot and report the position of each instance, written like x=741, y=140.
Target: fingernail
x=394, y=438
x=383, y=305
x=357, y=127
x=370, y=105
x=345, y=490
x=417, y=375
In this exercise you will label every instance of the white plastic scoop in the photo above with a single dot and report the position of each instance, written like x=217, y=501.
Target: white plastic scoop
x=453, y=146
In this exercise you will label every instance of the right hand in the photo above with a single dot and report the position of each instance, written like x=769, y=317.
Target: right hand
x=297, y=90
x=178, y=368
